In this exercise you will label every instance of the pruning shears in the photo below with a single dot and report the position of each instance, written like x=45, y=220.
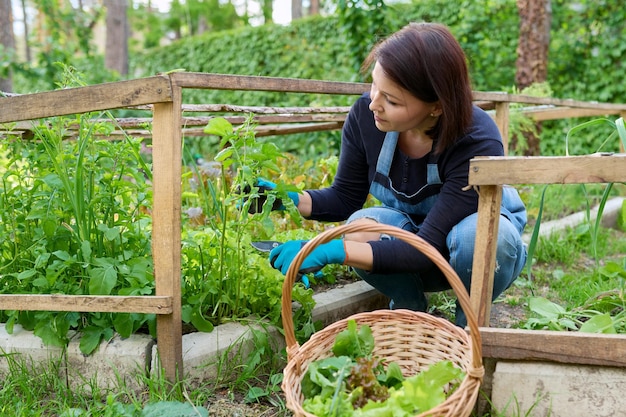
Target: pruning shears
x=267, y=246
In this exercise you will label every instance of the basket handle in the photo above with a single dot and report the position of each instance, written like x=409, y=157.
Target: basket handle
x=415, y=241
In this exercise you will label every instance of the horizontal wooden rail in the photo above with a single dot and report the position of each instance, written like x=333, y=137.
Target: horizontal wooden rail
x=296, y=85
x=499, y=97
x=596, y=168
x=231, y=108
x=87, y=303
x=543, y=113
x=259, y=131
x=563, y=347
x=86, y=99
x=144, y=91
x=258, y=83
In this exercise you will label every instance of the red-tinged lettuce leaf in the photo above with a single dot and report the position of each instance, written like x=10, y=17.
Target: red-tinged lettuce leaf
x=418, y=393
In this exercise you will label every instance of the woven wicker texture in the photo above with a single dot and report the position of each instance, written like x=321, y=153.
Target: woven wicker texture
x=412, y=339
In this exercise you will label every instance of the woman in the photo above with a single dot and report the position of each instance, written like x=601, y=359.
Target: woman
x=408, y=142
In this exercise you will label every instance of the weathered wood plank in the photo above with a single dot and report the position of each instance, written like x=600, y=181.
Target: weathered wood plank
x=237, y=120
x=256, y=83
x=520, y=98
x=502, y=121
x=279, y=130
x=87, y=303
x=484, y=261
x=166, y=229
x=282, y=124
x=597, y=168
x=260, y=131
x=542, y=113
x=85, y=99
x=231, y=108
x=562, y=347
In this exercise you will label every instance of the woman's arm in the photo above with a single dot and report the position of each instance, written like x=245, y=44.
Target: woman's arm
x=359, y=255
x=305, y=204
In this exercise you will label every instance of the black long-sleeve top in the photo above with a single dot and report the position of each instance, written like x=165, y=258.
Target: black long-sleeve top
x=360, y=147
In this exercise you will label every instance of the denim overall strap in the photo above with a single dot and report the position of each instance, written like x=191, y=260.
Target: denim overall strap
x=383, y=165
x=419, y=202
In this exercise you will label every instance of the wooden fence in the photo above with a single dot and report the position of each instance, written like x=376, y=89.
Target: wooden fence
x=163, y=95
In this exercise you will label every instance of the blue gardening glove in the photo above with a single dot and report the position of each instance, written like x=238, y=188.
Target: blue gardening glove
x=256, y=205
x=333, y=252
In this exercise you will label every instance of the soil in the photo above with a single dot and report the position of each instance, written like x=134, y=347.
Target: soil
x=225, y=406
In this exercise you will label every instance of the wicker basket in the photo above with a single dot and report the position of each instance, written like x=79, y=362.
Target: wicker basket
x=412, y=339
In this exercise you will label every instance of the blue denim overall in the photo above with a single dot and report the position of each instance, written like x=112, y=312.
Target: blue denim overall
x=407, y=290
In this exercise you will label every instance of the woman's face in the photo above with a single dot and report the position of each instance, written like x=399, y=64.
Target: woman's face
x=395, y=109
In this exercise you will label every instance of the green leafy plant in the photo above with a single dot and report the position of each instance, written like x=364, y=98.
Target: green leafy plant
x=76, y=212
x=219, y=264
x=520, y=125
x=250, y=365
x=354, y=382
x=603, y=314
x=550, y=316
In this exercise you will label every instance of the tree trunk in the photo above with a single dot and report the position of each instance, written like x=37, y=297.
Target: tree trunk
x=534, y=41
x=314, y=9
x=7, y=40
x=116, y=46
x=26, y=33
x=532, y=51
x=267, y=7
x=296, y=9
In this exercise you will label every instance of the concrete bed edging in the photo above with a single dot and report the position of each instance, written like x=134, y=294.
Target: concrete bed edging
x=121, y=359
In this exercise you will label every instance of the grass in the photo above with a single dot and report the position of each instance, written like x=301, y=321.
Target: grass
x=566, y=270
x=580, y=250
x=42, y=389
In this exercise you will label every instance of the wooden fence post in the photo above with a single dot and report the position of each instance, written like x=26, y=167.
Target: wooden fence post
x=166, y=232
x=502, y=120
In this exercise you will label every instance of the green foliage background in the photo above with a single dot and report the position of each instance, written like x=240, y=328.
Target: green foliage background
x=586, y=60
x=586, y=57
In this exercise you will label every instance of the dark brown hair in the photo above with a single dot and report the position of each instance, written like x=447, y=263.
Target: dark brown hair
x=426, y=60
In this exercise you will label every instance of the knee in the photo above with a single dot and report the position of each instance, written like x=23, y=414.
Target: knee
x=460, y=242
x=510, y=249
x=510, y=242
x=510, y=257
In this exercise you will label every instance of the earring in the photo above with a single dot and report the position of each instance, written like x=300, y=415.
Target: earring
x=432, y=115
